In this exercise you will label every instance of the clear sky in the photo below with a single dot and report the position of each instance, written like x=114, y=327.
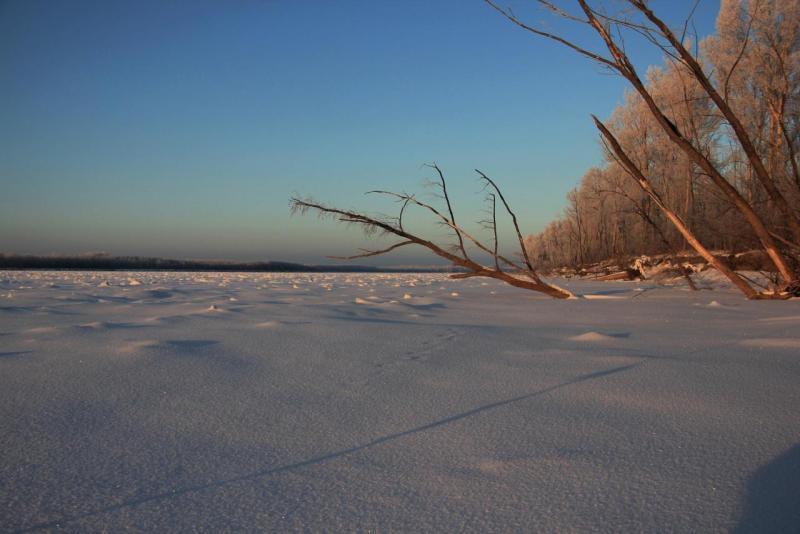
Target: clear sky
x=181, y=128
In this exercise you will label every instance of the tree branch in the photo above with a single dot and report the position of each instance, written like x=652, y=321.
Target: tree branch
x=299, y=205
x=368, y=253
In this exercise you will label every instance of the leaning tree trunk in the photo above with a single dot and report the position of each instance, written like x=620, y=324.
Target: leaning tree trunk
x=630, y=167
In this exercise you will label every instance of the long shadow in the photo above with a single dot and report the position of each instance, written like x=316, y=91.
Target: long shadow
x=620, y=335
x=772, y=501
x=12, y=353
x=431, y=306
x=362, y=319
x=17, y=309
x=160, y=294
x=197, y=351
x=112, y=326
x=190, y=344
x=328, y=456
x=610, y=292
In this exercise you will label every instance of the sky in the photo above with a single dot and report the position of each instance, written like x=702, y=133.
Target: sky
x=181, y=128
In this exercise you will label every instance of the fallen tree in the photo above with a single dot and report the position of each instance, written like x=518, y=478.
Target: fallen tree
x=521, y=274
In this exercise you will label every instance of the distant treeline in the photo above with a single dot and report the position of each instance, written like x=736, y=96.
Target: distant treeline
x=138, y=263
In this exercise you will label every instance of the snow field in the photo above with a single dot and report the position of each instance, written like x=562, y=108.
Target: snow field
x=172, y=401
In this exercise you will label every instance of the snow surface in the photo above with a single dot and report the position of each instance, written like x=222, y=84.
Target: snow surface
x=274, y=402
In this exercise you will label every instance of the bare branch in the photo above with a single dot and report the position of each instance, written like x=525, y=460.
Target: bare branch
x=494, y=228
x=299, y=205
x=591, y=55
x=446, y=222
x=402, y=209
x=560, y=12
x=513, y=219
x=739, y=57
x=368, y=253
x=689, y=19
x=443, y=186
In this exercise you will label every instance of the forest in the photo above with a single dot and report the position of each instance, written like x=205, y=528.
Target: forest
x=753, y=62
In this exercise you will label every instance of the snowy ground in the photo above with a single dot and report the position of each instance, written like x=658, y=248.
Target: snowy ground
x=178, y=401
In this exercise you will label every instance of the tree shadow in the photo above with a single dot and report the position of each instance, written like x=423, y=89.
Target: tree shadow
x=772, y=501
x=143, y=499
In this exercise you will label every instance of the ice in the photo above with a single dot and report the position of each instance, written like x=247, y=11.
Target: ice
x=345, y=402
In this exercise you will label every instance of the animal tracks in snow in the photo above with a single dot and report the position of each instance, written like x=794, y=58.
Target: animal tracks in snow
x=426, y=348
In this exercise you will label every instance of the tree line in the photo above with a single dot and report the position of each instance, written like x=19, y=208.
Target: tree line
x=753, y=64
x=105, y=262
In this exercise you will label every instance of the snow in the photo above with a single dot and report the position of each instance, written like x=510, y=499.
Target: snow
x=595, y=336
x=342, y=402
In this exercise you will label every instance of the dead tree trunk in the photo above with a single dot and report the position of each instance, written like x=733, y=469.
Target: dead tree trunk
x=765, y=176
x=630, y=167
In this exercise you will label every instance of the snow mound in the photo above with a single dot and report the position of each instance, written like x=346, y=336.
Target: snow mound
x=267, y=324
x=594, y=336
x=41, y=330
x=94, y=325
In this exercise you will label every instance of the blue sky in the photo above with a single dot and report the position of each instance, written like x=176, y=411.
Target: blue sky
x=181, y=128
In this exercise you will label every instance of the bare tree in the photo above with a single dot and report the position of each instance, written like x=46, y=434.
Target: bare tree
x=637, y=175
x=518, y=274
x=639, y=18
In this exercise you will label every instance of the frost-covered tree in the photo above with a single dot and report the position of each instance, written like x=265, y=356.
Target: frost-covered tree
x=684, y=138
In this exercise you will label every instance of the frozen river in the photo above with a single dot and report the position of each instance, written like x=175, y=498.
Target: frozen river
x=178, y=401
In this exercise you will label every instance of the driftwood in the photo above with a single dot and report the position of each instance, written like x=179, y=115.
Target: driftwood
x=518, y=274
x=628, y=274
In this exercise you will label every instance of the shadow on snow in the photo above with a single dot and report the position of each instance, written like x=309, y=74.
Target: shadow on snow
x=772, y=499
x=144, y=499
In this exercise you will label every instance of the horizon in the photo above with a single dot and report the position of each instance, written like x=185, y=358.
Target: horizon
x=181, y=130
x=230, y=300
